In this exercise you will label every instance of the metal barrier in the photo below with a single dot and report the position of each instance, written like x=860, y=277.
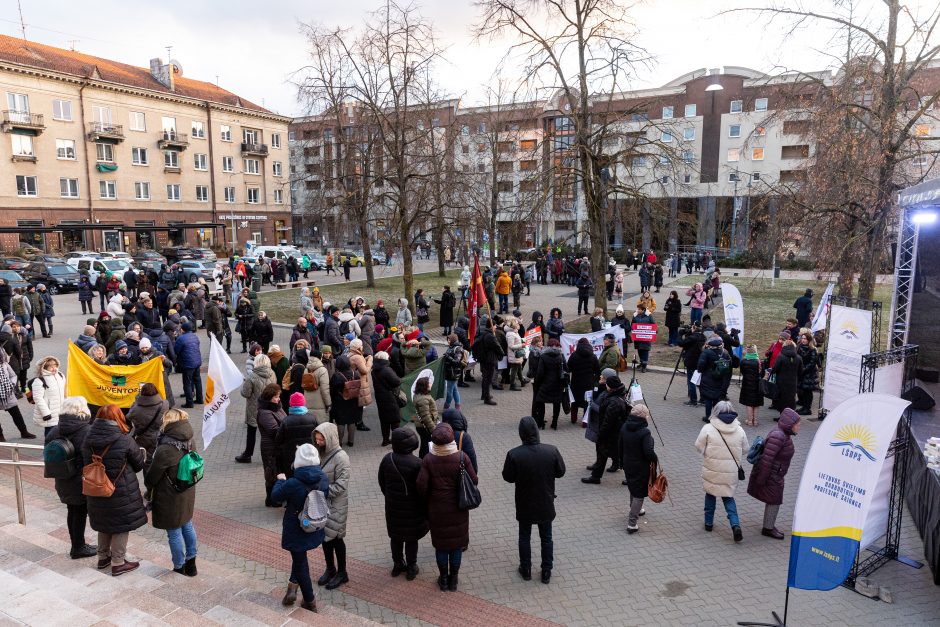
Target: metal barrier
x=18, y=473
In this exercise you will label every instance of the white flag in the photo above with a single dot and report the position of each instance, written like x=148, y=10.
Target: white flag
x=223, y=378
x=822, y=311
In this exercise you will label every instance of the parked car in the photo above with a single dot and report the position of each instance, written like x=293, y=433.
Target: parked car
x=354, y=259
x=176, y=253
x=142, y=256
x=57, y=277
x=81, y=253
x=279, y=252
x=13, y=263
x=117, y=255
x=194, y=268
x=205, y=254
x=13, y=278
x=317, y=262
x=49, y=258
x=93, y=266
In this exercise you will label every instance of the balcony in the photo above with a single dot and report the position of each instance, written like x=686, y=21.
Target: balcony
x=23, y=122
x=105, y=132
x=171, y=140
x=256, y=150
x=30, y=158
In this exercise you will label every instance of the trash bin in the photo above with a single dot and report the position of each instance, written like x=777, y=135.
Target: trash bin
x=776, y=272
x=256, y=284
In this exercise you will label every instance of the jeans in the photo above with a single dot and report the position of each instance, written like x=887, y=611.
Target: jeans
x=693, y=390
x=731, y=508
x=182, y=543
x=452, y=558
x=300, y=574
x=451, y=392
x=88, y=306
x=644, y=354
x=696, y=315
x=503, y=303
x=525, y=544
x=410, y=554
x=673, y=336
x=192, y=385
x=709, y=404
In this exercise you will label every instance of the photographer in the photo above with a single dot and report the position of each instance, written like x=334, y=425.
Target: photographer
x=691, y=340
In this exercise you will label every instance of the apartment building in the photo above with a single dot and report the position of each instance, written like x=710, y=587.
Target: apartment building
x=707, y=158
x=110, y=156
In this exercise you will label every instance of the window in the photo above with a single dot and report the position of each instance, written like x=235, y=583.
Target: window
x=733, y=177
x=464, y=130
x=173, y=192
x=481, y=147
x=142, y=190
x=528, y=144
x=65, y=149
x=504, y=187
x=465, y=149
x=688, y=134
x=312, y=185
x=62, y=110
x=200, y=162
x=687, y=178
x=68, y=188
x=202, y=193
x=252, y=166
x=799, y=151
x=19, y=104
x=481, y=167
x=504, y=166
x=278, y=197
x=107, y=189
x=102, y=117
x=527, y=165
x=481, y=127
x=251, y=136
x=22, y=145
x=171, y=159
x=26, y=186
x=734, y=154
x=229, y=194
x=690, y=110
x=734, y=130
x=505, y=146
x=277, y=168
x=638, y=162
x=139, y=156
x=922, y=130
x=228, y=164
x=138, y=121
x=737, y=106
x=254, y=195
x=755, y=176
x=757, y=154
x=688, y=156
x=667, y=113
x=199, y=130
x=291, y=136
x=169, y=127
x=275, y=140
x=225, y=133
x=664, y=160
x=760, y=104
x=666, y=137
x=104, y=153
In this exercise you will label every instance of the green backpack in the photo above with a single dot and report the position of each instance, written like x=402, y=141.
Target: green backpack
x=189, y=471
x=721, y=367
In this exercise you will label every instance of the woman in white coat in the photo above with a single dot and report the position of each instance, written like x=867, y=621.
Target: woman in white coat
x=723, y=445
x=48, y=389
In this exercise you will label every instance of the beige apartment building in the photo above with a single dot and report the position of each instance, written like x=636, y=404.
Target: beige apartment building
x=108, y=156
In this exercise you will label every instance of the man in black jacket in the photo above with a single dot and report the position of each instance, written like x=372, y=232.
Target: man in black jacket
x=613, y=409
x=130, y=281
x=691, y=343
x=533, y=467
x=331, y=330
x=487, y=351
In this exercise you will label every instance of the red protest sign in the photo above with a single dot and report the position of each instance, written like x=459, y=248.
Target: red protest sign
x=641, y=332
x=531, y=334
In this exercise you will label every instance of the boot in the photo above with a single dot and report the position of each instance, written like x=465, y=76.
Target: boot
x=442, y=578
x=190, y=567
x=291, y=596
x=412, y=572
x=338, y=579
x=361, y=426
x=398, y=569
x=327, y=575
x=310, y=606
x=574, y=415
x=452, y=580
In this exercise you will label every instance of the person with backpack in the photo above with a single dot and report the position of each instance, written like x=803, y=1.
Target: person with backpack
x=637, y=454
x=405, y=518
x=767, y=477
x=172, y=498
x=261, y=376
x=345, y=411
x=62, y=456
x=455, y=360
x=337, y=469
x=48, y=392
x=146, y=416
x=298, y=493
x=715, y=366
x=111, y=461
x=295, y=429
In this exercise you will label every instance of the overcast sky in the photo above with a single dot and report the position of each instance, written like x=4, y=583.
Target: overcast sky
x=253, y=47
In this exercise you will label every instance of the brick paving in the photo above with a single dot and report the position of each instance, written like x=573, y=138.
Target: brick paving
x=671, y=572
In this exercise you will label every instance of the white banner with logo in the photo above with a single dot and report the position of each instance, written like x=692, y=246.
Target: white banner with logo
x=849, y=339
x=569, y=341
x=221, y=380
x=734, y=312
x=822, y=311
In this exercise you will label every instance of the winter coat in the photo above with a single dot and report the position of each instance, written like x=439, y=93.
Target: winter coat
x=48, y=394
x=149, y=318
x=554, y=327
x=213, y=318
x=447, y=302
x=342, y=411
x=296, y=429
x=85, y=342
x=366, y=329
x=19, y=348
x=386, y=384
x=719, y=464
x=405, y=517
x=262, y=331
x=437, y=483
x=673, y=309
x=293, y=493
x=548, y=385
x=403, y=317
x=611, y=411
x=513, y=343
x=415, y=356
x=643, y=319
x=331, y=334
x=335, y=464
x=426, y=415
x=692, y=344
x=251, y=389
x=381, y=317
x=503, y=284
x=270, y=416
x=123, y=511
x=85, y=293
x=74, y=429
x=533, y=467
x=713, y=387
x=146, y=417
x=486, y=348
x=117, y=332
x=809, y=374
x=458, y=423
x=363, y=367
x=36, y=303
x=318, y=401
x=804, y=307
x=751, y=374
x=585, y=370
x=610, y=357
x=171, y=509
x=767, y=476
x=787, y=368
x=636, y=455
x=454, y=358
x=187, y=351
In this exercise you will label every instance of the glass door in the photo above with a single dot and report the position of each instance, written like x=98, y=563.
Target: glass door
x=102, y=118
x=169, y=128
x=112, y=241
x=19, y=107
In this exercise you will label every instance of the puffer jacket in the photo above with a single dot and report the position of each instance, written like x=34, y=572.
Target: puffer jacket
x=293, y=493
x=251, y=391
x=318, y=401
x=296, y=429
x=533, y=467
x=437, y=483
x=48, y=394
x=720, y=463
x=415, y=356
x=146, y=416
x=767, y=476
x=554, y=327
x=363, y=366
x=171, y=509
x=513, y=343
x=458, y=422
x=335, y=464
x=123, y=511
x=74, y=429
x=425, y=411
x=405, y=516
x=187, y=351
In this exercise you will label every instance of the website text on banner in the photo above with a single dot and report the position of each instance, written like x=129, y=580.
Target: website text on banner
x=569, y=341
x=734, y=313
x=109, y=385
x=837, y=489
x=849, y=339
x=222, y=379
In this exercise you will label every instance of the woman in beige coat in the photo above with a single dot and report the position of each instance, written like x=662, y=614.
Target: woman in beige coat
x=318, y=400
x=334, y=462
x=723, y=445
x=261, y=375
x=362, y=365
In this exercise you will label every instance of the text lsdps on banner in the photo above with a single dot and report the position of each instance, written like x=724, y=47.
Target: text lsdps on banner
x=849, y=339
x=223, y=377
x=569, y=341
x=101, y=384
x=838, y=489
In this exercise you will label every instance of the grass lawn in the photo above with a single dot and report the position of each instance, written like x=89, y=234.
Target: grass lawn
x=284, y=305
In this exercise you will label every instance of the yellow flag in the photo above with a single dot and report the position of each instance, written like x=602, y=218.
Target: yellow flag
x=109, y=385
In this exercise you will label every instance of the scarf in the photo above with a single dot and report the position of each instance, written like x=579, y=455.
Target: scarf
x=7, y=390
x=443, y=450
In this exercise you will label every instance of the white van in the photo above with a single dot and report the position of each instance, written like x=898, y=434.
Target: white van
x=93, y=266
x=276, y=252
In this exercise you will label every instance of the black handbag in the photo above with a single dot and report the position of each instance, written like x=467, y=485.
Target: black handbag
x=468, y=494
x=769, y=388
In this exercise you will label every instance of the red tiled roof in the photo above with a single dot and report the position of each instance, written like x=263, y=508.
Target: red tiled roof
x=28, y=53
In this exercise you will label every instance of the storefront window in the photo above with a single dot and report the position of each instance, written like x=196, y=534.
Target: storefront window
x=32, y=238
x=112, y=241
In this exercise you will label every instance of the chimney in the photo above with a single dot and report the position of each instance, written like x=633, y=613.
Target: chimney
x=163, y=74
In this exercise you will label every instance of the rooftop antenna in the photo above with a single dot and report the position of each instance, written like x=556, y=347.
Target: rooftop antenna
x=216, y=80
x=72, y=43
x=168, y=56
x=19, y=6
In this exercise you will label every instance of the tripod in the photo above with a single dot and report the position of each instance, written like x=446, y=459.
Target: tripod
x=635, y=380
x=674, y=371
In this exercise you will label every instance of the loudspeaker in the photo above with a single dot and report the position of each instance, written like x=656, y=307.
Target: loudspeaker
x=920, y=399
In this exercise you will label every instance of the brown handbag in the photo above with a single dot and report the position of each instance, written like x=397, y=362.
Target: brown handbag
x=659, y=485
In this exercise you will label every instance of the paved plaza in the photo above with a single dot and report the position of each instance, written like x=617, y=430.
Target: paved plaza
x=670, y=573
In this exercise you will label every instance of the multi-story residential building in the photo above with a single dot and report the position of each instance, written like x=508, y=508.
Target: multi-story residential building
x=697, y=158
x=105, y=155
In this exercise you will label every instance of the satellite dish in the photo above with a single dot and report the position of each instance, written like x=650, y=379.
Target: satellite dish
x=177, y=67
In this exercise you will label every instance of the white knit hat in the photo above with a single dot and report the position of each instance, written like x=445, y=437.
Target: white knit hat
x=306, y=455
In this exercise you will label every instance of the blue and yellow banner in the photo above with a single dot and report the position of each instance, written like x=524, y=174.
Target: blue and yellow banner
x=105, y=385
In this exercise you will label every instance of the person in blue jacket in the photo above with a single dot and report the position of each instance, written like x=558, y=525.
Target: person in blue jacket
x=188, y=361
x=293, y=493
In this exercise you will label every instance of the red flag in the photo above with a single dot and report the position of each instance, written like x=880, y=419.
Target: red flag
x=477, y=296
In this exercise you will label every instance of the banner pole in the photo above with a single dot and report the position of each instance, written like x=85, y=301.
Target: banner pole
x=786, y=606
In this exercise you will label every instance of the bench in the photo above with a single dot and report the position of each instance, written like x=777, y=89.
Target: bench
x=286, y=285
